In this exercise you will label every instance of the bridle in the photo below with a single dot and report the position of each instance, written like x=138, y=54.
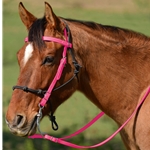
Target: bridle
x=45, y=95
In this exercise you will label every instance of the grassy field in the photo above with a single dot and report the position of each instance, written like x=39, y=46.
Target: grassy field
x=77, y=111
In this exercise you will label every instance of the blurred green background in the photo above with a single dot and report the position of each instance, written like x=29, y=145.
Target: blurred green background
x=77, y=111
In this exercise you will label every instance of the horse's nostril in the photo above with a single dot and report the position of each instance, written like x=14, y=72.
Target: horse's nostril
x=19, y=121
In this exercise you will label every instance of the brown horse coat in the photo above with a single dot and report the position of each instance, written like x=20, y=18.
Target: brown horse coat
x=114, y=75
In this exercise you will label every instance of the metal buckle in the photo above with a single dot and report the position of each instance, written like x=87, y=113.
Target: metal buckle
x=39, y=117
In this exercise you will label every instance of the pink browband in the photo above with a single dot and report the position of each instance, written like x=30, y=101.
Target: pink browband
x=46, y=97
x=47, y=38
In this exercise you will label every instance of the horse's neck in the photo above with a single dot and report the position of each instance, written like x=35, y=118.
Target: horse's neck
x=101, y=79
x=88, y=53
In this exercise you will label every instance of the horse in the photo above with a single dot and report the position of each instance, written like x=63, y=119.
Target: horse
x=109, y=65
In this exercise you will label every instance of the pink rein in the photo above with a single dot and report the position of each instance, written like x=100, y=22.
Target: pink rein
x=63, y=141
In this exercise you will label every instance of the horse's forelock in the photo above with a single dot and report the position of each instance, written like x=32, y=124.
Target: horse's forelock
x=36, y=32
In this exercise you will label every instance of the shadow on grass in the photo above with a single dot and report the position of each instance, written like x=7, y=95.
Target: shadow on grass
x=12, y=142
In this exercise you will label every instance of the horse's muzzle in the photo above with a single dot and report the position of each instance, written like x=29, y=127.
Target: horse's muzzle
x=21, y=127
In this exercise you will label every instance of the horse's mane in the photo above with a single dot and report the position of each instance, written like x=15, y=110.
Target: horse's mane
x=113, y=29
x=36, y=31
x=133, y=38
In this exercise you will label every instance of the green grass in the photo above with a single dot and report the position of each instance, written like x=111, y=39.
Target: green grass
x=77, y=111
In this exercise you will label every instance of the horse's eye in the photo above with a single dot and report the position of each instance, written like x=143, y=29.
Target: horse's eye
x=48, y=60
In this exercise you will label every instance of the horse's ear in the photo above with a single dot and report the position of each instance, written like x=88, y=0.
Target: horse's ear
x=26, y=17
x=51, y=18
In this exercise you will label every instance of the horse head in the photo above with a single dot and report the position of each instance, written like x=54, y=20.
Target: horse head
x=39, y=60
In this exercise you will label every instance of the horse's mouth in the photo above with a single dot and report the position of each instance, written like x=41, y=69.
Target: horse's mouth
x=33, y=127
x=28, y=129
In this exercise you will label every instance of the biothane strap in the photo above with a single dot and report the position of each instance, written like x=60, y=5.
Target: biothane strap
x=69, y=144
